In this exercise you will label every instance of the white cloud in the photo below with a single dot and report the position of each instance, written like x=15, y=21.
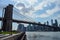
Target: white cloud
x=31, y=15
x=49, y=12
x=32, y=1
x=51, y=0
x=40, y=6
x=20, y=6
x=44, y=3
x=43, y=15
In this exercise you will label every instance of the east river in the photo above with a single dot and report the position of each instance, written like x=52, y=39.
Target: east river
x=43, y=35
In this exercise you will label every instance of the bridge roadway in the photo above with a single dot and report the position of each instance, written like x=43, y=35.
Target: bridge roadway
x=20, y=21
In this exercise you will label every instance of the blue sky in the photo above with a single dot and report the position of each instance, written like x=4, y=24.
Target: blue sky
x=34, y=10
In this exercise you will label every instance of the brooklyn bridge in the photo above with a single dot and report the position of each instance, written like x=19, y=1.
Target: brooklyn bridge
x=7, y=20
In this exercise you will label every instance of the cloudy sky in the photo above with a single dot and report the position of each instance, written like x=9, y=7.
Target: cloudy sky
x=36, y=10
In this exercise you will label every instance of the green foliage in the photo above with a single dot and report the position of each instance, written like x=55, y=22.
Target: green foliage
x=5, y=32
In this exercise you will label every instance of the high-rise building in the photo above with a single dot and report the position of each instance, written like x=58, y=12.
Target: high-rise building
x=52, y=22
x=21, y=28
x=29, y=27
x=44, y=23
x=47, y=23
x=34, y=27
x=56, y=23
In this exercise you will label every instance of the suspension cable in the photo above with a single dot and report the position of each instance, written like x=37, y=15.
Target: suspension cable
x=22, y=14
x=2, y=16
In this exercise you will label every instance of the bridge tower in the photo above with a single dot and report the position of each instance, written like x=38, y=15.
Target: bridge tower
x=7, y=21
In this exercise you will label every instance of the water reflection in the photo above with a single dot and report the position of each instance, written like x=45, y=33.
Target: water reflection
x=43, y=36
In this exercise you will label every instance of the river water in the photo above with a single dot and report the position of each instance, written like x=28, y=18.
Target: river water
x=43, y=35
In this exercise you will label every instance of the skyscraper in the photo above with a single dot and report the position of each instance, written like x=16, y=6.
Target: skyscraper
x=56, y=23
x=52, y=22
x=21, y=28
x=29, y=27
x=47, y=23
